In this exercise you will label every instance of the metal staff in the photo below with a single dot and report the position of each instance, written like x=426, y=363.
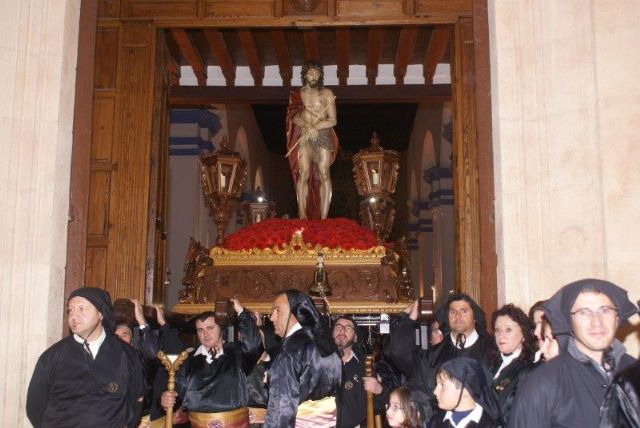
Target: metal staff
x=313, y=123
x=172, y=363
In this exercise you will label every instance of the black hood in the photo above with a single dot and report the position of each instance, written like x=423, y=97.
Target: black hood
x=558, y=308
x=102, y=301
x=477, y=380
x=302, y=307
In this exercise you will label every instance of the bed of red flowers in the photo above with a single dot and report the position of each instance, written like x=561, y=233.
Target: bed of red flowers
x=330, y=233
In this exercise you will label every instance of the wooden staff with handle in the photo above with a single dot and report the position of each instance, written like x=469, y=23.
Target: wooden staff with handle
x=368, y=371
x=172, y=363
x=313, y=123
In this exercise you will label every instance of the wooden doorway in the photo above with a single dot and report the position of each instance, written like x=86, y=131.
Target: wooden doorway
x=116, y=241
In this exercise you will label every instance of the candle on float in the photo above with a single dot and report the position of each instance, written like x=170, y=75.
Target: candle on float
x=223, y=181
x=375, y=178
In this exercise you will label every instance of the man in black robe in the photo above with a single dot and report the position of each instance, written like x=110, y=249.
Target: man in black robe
x=211, y=385
x=468, y=338
x=351, y=400
x=91, y=378
x=568, y=390
x=307, y=367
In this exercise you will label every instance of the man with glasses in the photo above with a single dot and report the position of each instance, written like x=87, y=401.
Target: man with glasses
x=569, y=390
x=351, y=400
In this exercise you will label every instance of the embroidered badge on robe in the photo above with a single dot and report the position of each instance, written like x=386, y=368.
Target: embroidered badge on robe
x=112, y=387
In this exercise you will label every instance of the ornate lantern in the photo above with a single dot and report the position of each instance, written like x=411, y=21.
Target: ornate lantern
x=222, y=176
x=259, y=208
x=376, y=174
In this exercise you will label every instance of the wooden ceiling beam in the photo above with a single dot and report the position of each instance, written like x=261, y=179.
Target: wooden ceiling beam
x=282, y=54
x=191, y=96
x=406, y=45
x=374, y=50
x=311, y=46
x=219, y=49
x=251, y=52
x=191, y=53
x=343, y=54
x=436, y=48
x=174, y=69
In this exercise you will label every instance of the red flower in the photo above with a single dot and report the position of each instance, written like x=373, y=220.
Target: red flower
x=332, y=233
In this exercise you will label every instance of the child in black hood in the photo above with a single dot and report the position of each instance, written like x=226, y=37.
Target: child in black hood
x=464, y=396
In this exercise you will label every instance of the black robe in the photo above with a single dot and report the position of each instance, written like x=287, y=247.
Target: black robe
x=71, y=389
x=420, y=366
x=299, y=373
x=352, y=398
x=147, y=342
x=621, y=406
x=505, y=386
x=218, y=386
x=565, y=392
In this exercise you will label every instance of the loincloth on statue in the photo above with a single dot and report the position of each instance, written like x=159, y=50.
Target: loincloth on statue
x=323, y=141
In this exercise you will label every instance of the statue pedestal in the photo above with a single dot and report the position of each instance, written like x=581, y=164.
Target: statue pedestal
x=362, y=280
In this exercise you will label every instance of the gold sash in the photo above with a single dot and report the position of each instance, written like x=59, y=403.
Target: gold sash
x=238, y=418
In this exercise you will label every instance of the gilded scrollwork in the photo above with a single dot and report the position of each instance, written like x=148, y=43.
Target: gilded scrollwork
x=196, y=261
x=296, y=252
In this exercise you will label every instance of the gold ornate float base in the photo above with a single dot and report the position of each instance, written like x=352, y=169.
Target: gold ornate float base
x=362, y=281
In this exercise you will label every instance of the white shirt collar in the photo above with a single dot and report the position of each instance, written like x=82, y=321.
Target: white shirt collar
x=95, y=345
x=353, y=355
x=204, y=351
x=474, y=416
x=506, y=360
x=469, y=341
x=293, y=329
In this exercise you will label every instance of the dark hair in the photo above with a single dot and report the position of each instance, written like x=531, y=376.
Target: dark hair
x=411, y=413
x=312, y=65
x=356, y=328
x=537, y=306
x=545, y=322
x=205, y=315
x=442, y=372
x=529, y=346
x=210, y=314
x=478, y=313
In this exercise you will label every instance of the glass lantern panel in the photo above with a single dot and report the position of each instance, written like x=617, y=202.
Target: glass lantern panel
x=226, y=175
x=387, y=174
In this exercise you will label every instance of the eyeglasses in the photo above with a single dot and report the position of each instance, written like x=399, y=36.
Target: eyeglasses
x=343, y=328
x=586, y=314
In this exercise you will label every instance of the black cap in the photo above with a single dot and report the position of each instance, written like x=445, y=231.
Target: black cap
x=102, y=301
